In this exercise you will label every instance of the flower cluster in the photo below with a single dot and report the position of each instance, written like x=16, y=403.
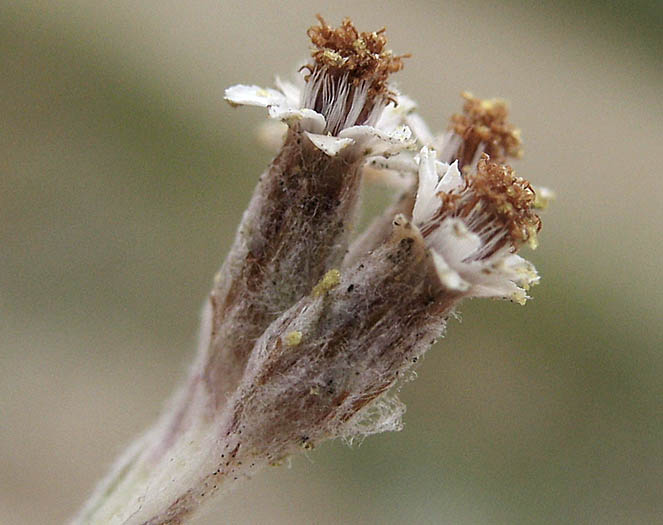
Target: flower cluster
x=341, y=99
x=473, y=225
x=306, y=330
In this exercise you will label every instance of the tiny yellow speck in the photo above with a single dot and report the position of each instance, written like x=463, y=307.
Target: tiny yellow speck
x=532, y=240
x=293, y=338
x=331, y=279
x=359, y=44
x=543, y=197
x=334, y=57
x=489, y=104
x=519, y=297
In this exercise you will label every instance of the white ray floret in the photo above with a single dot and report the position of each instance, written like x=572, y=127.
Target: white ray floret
x=466, y=256
x=382, y=133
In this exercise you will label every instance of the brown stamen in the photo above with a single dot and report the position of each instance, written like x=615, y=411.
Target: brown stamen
x=493, y=196
x=510, y=199
x=483, y=123
x=363, y=56
x=347, y=81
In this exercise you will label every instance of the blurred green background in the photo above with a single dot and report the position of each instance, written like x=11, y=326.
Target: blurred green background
x=123, y=175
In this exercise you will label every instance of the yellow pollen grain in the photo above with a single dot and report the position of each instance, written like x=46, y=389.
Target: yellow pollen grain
x=532, y=239
x=519, y=297
x=293, y=338
x=483, y=131
x=489, y=104
x=359, y=44
x=507, y=207
x=543, y=197
x=331, y=279
x=333, y=57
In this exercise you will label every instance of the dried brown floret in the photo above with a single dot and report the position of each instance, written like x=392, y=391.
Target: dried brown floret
x=362, y=56
x=510, y=198
x=483, y=123
x=496, y=202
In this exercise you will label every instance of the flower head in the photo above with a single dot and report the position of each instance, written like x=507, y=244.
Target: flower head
x=474, y=225
x=340, y=100
x=482, y=127
x=348, y=78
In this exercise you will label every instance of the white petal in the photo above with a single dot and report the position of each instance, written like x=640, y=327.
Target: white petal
x=394, y=115
x=311, y=120
x=404, y=104
x=448, y=144
x=503, y=289
x=520, y=271
x=455, y=241
x=253, y=96
x=390, y=118
x=329, y=144
x=379, y=142
x=426, y=203
x=403, y=163
x=448, y=276
x=420, y=129
x=398, y=171
x=507, y=277
x=291, y=91
x=451, y=178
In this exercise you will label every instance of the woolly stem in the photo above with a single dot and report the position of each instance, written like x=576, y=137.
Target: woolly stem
x=357, y=334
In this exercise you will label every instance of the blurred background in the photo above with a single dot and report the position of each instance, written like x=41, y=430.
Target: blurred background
x=123, y=175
